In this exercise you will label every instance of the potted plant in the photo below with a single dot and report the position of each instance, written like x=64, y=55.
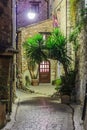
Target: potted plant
x=54, y=48
x=34, y=54
x=33, y=69
x=66, y=86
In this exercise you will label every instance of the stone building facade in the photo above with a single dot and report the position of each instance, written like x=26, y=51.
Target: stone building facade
x=7, y=49
x=29, y=27
x=62, y=11
x=81, y=80
x=24, y=33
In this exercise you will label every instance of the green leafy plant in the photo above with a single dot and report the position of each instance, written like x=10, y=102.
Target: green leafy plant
x=34, y=53
x=56, y=81
x=67, y=83
x=27, y=80
x=57, y=48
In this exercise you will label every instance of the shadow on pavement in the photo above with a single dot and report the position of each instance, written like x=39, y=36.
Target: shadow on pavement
x=46, y=102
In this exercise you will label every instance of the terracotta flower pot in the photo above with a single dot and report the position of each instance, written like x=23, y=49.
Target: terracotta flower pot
x=35, y=82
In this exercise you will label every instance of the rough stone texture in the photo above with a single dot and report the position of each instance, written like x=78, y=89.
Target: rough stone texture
x=37, y=112
x=53, y=69
x=29, y=31
x=4, y=71
x=45, y=26
x=7, y=39
x=82, y=68
x=4, y=82
x=61, y=10
x=5, y=23
x=85, y=122
x=82, y=74
x=23, y=7
x=2, y=114
x=64, y=21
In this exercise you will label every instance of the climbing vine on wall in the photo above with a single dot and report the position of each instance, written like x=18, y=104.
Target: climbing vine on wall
x=73, y=10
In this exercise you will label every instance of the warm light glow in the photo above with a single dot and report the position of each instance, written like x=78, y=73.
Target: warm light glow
x=31, y=15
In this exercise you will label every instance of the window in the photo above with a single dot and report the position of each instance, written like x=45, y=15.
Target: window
x=35, y=7
x=45, y=35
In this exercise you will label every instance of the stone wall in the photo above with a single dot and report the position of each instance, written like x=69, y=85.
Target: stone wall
x=62, y=10
x=7, y=42
x=19, y=60
x=4, y=71
x=23, y=7
x=5, y=65
x=29, y=31
x=54, y=71
x=5, y=23
x=82, y=68
x=81, y=79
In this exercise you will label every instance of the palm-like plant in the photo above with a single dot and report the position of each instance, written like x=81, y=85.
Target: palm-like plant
x=54, y=48
x=56, y=45
x=34, y=53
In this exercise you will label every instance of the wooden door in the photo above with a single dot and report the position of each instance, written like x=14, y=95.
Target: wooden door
x=44, y=72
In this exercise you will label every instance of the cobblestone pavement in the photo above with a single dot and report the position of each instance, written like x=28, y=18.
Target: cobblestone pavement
x=42, y=113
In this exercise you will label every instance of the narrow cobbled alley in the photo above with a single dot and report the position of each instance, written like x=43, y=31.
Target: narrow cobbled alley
x=41, y=112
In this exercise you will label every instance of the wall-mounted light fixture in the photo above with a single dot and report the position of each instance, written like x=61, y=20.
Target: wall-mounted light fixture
x=31, y=15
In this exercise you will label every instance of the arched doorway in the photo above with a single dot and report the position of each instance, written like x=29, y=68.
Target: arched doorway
x=44, y=72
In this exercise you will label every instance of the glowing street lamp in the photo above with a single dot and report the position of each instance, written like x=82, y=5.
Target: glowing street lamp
x=31, y=15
